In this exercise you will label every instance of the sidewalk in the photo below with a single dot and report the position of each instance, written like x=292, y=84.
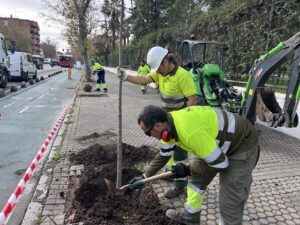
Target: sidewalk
x=275, y=194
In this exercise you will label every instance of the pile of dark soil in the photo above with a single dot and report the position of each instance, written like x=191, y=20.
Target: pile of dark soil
x=94, y=204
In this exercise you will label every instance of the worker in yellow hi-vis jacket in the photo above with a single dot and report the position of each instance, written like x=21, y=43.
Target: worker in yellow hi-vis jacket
x=143, y=71
x=98, y=69
x=220, y=142
x=177, y=90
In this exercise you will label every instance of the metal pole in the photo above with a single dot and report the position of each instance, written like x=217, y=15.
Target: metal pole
x=119, y=145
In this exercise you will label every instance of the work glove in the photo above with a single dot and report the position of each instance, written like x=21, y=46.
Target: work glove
x=180, y=170
x=136, y=179
x=121, y=74
x=135, y=183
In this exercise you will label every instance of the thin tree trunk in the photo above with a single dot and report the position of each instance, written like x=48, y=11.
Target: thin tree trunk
x=119, y=147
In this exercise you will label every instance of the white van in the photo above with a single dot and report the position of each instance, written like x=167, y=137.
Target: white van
x=22, y=66
x=78, y=65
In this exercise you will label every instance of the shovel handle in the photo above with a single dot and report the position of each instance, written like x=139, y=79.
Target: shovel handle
x=158, y=177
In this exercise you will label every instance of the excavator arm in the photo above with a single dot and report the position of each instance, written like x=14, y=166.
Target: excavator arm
x=260, y=73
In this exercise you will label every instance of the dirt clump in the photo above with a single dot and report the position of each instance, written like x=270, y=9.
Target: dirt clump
x=94, y=204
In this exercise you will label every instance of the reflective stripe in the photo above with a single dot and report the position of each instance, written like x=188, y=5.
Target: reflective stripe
x=221, y=165
x=221, y=221
x=218, y=142
x=225, y=146
x=172, y=97
x=196, y=189
x=172, y=101
x=172, y=105
x=231, y=122
x=167, y=146
x=185, y=162
x=183, y=178
x=190, y=210
x=170, y=153
x=221, y=122
x=213, y=156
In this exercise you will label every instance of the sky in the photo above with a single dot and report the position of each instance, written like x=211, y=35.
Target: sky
x=31, y=10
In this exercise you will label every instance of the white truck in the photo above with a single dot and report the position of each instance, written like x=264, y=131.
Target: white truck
x=4, y=62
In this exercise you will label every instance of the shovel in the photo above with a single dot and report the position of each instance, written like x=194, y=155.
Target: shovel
x=120, y=191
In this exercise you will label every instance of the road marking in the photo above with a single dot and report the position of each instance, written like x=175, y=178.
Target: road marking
x=6, y=106
x=22, y=98
x=23, y=110
x=42, y=96
x=46, y=106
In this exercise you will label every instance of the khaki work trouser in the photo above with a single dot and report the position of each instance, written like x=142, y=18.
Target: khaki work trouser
x=235, y=182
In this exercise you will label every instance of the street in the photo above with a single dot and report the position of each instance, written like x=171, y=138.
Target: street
x=26, y=119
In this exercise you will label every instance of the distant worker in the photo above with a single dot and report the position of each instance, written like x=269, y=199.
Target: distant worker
x=98, y=69
x=221, y=143
x=143, y=71
x=69, y=73
x=177, y=90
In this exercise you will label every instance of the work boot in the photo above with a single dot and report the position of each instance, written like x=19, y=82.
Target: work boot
x=183, y=216
x=105, y=90
x=98, y=89
x=173, y=192
x=143, y=91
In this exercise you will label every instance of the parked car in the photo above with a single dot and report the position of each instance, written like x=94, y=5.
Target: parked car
x=53, y=63
x=38, y=61
x=22, y=66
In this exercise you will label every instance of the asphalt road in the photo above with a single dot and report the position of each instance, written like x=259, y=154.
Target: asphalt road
x=25, y=121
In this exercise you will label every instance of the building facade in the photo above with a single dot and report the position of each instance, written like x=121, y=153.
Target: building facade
x=27, y=26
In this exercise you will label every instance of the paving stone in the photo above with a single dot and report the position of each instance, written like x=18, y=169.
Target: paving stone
x=287, y=217
x=279, y=218
x=247, y=223
x=253, y=216
x=297, y=221
x=271, y=220
x=252, y=210
x=295, y=215
x=263, y=221
x=211, y=211
x=261, y=215
x=290, y=222
x=269, y=214
x=210, y=222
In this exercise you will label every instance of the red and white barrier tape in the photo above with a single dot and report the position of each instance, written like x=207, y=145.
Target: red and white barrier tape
x=14, y=198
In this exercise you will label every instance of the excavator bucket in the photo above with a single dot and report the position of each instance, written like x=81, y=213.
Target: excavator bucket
x=267, y=107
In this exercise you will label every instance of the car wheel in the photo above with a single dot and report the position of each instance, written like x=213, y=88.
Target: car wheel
x=35, y=75
x=24, y=76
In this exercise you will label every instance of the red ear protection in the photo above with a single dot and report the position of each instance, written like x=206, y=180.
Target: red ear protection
x=166, y=134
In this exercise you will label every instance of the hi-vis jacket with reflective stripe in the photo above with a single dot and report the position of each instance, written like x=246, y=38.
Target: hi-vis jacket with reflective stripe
x=211, y=134
x=143, y=70
x=174, y=88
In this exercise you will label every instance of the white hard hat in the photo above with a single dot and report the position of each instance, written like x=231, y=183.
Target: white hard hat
x=155, y=56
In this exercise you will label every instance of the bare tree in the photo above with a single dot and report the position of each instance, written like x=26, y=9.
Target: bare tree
x=49, y=49
x=78, y=18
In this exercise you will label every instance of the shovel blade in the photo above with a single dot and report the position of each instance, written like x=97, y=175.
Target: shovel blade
x=112, y=188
